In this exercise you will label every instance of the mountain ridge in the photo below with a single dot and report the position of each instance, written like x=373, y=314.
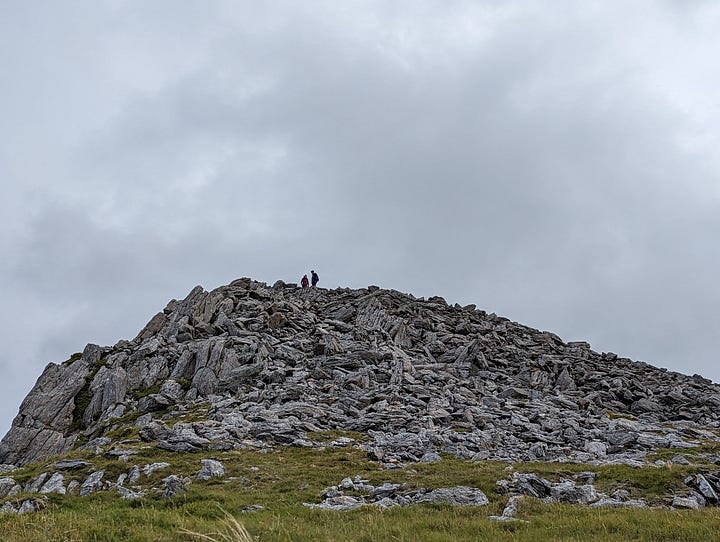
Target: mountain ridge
x=248, y=365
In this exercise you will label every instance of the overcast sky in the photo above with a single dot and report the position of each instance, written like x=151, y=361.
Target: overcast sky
x=553, y=162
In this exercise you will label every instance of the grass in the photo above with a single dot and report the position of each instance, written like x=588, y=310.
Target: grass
x=282, y=479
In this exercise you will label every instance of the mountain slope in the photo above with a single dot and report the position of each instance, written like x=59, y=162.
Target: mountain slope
x=247, y=364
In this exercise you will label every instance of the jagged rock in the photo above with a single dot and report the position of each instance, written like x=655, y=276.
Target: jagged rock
x=680, y=460
x=133, y=474
x=8, y=508
x=210, y=469
x=510, y=510
x=616, y=503
x=702, y=484
x=126, y=493
x=252, y=508
x=31, y=505
x=385, y=490
x=568, y=492
x=6, y=485
x=173, y=485
x=92, y=483
x=690, y=503
x=56, y=484
x=149, y=469
x=120, y=453
x=154, y=430
x=183, y=438
x=96, y=445
x=342, y=502
x=457, y=496
x=430, y=457
x=47, y=412
x=248, y=365
x=35, y=485
x=72, y=464
x=529, y=484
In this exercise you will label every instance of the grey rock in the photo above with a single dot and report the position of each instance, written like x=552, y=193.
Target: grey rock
x=680, y=460
x=385, y=490
x=210, y=469
x=8, y=508
x=568, y=492
x=183, y=438
x=586, y=477
x=457, y=496
x=56, y=484
x=510, y=510
x=689, y=503
x=705, y=488
x=126, y=493
x=92, y=483
x=250, y=366
x=173, y=485
x=96, y=445
x=430, y=457
x=6, y=484
x=252, y=508
x=154, y=430
x=531, y=484
x=35, y=485
x=32, y=505
x=149, y=469
x=385, y=502
x=47, y=412
x=341, y=503
x=607, y=502
x=72, y=464
x=511, y=507
x=133, y=474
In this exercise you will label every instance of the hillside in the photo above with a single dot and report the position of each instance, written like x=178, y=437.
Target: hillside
x=273, y=363
x=391, y=379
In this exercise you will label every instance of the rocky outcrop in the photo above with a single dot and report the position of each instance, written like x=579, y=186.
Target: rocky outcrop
x=43, y=426
x=388, y=495
x=250, y=365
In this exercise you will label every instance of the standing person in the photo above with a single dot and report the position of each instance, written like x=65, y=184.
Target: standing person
x=304, y=282
x=315, y=278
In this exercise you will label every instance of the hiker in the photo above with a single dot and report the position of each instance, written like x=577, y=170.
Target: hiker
x=315, y=278
x=304, y=282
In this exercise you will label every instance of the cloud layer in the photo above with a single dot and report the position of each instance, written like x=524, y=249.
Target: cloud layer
x=553, y=164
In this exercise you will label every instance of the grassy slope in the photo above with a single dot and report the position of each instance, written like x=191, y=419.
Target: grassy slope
x=283, y=479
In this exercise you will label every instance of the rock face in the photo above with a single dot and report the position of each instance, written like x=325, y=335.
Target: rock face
x=249, y=364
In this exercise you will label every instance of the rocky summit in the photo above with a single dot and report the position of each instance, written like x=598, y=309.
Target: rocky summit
x=248, y=366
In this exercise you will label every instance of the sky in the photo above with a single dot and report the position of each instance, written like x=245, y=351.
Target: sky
x=553, y=162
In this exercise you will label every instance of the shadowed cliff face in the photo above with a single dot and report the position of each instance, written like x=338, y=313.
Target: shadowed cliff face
x=248, y=364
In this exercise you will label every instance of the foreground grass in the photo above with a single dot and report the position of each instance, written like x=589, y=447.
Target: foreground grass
x=280, y=481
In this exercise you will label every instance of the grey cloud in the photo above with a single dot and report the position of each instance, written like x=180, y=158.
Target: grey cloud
x=506, y=154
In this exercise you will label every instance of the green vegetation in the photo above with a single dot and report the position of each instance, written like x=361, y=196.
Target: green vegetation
x=83, y=397
x=76, y=356
x=280, y=480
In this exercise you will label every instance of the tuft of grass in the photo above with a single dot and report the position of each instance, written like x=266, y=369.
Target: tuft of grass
x=72, y=359
x=234, y=531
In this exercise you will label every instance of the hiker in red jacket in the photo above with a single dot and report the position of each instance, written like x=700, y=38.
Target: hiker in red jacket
x=304, y=282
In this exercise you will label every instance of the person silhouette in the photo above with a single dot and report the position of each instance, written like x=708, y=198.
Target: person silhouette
x=315, y=278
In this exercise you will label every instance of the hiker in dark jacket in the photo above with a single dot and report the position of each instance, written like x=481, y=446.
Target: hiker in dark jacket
x=304, y=282
x=315, y=278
